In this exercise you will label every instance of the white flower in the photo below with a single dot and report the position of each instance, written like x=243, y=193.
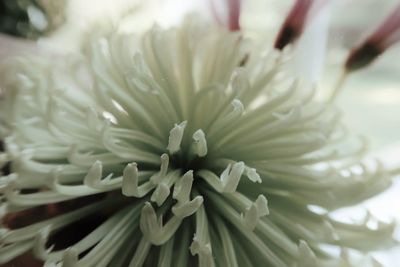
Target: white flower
x=187, y=147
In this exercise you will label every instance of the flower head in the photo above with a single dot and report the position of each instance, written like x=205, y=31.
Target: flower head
x=179, y=147
x=300, y=14
x=387, y=34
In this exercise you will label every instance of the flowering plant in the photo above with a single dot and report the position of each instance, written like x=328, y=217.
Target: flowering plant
x=190, y=146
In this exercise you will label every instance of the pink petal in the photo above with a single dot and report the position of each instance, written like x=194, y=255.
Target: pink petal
x=294, y=23
x=227, y=13
x=394, y=38
x=386, y=35
x=388, y=27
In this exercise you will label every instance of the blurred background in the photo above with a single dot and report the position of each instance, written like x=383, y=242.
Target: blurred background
x=30, y=19
x=370, y=99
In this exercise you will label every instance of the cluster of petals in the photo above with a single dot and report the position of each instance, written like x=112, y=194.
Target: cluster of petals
x=187, y=146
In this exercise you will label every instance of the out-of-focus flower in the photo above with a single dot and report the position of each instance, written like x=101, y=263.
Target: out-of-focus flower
x=294, y=23
x=30, y=19
x=386, y=35
x=227, y=13
x=301, y=13
x=381, y=39
x=306, y=27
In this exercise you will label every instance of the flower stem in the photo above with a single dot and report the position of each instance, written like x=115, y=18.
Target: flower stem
x=338, y=86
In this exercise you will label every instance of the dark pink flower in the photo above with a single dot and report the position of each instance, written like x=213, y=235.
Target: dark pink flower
x=387, y=34
x=228, y=14
x=294, y=23
x=301, y=14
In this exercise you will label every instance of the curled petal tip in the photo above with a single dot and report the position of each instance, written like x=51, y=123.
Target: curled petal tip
x=258, y=209
x=94, y=173
x=148, y=219
x=188, y=175
x=183, y=187
x=130, y=178
x=155, y=179
x=188, y=208
x=200, y=143
x=153, y=229
x=231, y=176
x=252, y=174
x=175, y=137
x=262, y=205
x=250, y=218
x=203, y=250
x=160, y=194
